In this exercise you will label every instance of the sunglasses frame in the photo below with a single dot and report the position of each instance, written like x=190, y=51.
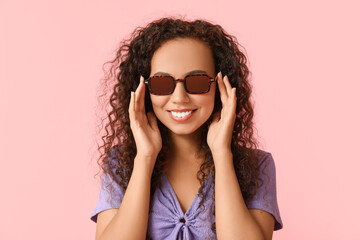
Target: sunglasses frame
x=148, y=83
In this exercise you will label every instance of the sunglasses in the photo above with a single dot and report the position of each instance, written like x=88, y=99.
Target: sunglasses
x=165, y=85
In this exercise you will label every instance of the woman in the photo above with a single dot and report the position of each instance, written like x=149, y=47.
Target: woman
x=179, y=158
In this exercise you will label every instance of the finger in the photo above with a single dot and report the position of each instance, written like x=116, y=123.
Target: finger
x=233, y=90
x=131, y=105
x=139, y=103
x=228, y=85
x=222, y=90
x=141, y=95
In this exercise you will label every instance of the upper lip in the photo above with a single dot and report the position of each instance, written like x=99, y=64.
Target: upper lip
x=181, y=110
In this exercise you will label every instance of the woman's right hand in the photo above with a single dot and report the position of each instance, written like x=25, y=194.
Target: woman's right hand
x=144, y=127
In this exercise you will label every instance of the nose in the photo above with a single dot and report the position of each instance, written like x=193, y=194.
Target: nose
x=179, y=94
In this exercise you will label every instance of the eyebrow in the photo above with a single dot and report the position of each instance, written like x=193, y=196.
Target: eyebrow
x=167, y=74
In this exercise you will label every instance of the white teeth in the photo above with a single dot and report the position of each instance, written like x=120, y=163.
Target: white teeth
x=181, y=115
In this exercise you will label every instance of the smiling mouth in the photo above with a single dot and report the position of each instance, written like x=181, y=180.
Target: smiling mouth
x=181, y=115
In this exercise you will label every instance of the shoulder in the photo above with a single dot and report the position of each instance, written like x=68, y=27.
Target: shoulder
x=111, y=165
x=262, y=154
x=111, y=194
x=112, y=160
x=265, y=161
x=265, y=197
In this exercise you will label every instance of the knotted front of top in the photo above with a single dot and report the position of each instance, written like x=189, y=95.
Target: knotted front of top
x=167, y=220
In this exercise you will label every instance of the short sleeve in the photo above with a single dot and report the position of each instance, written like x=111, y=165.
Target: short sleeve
x=111, y=194
x=265, y=198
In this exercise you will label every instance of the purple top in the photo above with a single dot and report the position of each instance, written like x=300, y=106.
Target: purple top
x=166, y=218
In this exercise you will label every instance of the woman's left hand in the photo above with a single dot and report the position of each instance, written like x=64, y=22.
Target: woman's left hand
x=221, y=128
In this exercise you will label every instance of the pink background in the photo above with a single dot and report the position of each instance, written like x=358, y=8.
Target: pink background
x=304, y=58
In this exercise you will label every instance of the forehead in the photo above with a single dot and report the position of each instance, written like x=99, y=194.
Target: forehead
x=182, y=55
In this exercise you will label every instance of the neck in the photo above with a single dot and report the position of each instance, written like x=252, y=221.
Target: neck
x=185, y=154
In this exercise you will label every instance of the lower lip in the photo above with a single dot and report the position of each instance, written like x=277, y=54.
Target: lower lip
x=178, y=119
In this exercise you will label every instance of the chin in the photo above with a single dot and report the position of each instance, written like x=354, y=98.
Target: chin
x=182, y=132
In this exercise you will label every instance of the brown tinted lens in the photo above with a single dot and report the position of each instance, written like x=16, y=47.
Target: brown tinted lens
x=161, y=85
x=197, y=84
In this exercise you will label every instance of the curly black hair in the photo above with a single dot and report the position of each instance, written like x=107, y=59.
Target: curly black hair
x=133, y=59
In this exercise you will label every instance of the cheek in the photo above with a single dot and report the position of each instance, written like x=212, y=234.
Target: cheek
x=207, y=103
x=211, y=102
x=211, y=97
x=157, y=102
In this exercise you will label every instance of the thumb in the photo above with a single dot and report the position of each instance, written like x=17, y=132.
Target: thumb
x=152, y=120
